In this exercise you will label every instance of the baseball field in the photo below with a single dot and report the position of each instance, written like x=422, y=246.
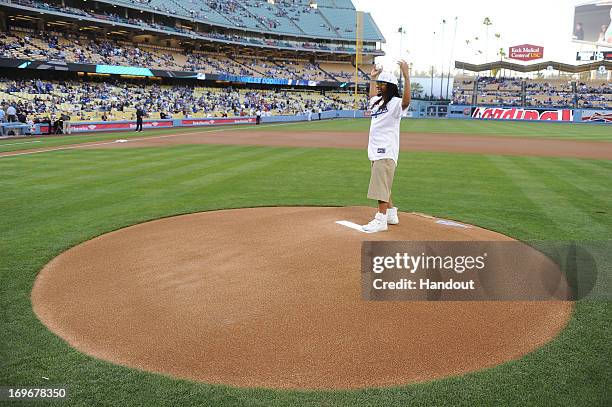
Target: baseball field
x=527, y=181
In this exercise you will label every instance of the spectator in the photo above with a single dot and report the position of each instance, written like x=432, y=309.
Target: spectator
x=579, y=32
x=11, y=112
x=2, y=119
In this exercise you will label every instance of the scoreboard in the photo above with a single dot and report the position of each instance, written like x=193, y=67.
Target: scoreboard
x=594, y=56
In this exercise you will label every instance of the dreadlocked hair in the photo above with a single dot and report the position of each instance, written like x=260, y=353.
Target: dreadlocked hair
x=392, y=91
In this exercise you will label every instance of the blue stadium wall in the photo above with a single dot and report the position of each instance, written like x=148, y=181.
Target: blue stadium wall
x=464, y=112
x=130, y=125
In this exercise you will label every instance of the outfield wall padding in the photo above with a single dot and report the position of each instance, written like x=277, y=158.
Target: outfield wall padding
x=540, y=114
x=465, y=112
x=130, y=125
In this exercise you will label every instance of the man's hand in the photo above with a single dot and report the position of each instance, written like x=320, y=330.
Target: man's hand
x=405, y=68
x=375, y=72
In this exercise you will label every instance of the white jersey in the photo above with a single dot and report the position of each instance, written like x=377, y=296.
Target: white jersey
x=385, y=130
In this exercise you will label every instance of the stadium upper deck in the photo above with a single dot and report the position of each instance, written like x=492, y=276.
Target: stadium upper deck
x=329, y=19
x=327, y=26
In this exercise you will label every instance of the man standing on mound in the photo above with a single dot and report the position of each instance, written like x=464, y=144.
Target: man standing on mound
x=386, y=107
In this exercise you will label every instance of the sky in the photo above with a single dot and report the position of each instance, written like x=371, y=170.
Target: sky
x=548, y=23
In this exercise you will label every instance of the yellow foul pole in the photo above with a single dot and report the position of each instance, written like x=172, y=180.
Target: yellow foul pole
x=358, y=56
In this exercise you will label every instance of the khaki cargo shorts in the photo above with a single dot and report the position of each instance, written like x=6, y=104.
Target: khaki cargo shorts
x=381, y=180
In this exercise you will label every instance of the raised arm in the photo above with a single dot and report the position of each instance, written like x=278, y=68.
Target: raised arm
x=406, y=97
x=373, y=76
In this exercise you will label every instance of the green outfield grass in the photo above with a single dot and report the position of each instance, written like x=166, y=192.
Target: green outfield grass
x=472, y=127
x=508, y=129
x=53, y=201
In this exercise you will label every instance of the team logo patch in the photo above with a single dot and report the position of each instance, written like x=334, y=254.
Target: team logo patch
x=379, y=112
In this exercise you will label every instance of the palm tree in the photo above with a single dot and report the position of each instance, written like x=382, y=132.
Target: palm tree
x=487, y=23
x=497, y=40
x=502, y=55
x=416, y=89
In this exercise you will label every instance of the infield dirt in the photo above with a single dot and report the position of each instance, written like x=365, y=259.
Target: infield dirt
x=427, y=142
x=271, y=297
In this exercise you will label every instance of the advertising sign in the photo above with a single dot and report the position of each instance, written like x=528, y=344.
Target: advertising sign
x=526, y=52
x=597, y=116
x=216, y=121
x=514, y=113
x=110, y=126
x=589, y=56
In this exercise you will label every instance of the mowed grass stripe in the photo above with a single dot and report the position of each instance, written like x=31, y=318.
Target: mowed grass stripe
x=113, y=198
x=113, y=165
x=218, y=164
x=277, y=154
x=151, y=165
x=127, y=182
x=302, y=179
x=168, y=189
x=588, y=187
x=157, y=198
x=596, y=171
x=452, y=185
x=66, y=179
x=92, y=164
x=573, y=221
x=606, y=164
x=586, y=194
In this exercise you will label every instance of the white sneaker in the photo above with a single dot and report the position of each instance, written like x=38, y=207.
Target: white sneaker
x=392, y=218
x=378, y=224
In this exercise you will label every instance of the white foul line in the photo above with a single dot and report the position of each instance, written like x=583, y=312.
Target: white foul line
x=24, y=142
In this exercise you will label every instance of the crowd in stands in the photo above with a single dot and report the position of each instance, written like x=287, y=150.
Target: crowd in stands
x=294, y=11
x=80, y=49
x=533, y=92
x=200, y=62
x=170, y=8
x=40, y=100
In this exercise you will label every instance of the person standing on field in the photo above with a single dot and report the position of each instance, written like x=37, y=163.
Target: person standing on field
x=140, y=113
x=2, y=119
x=386, y=108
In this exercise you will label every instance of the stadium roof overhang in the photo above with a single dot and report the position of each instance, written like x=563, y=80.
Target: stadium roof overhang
x=540, y=66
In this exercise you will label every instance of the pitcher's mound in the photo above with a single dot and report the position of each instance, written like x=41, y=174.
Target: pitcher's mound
x=271, y=297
